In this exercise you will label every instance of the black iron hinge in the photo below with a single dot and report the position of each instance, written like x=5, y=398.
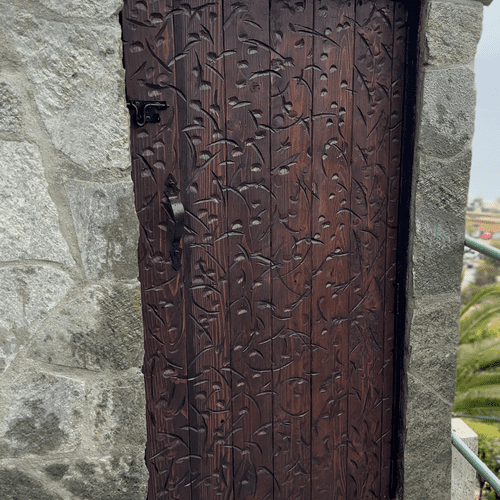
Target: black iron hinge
x=143, y=112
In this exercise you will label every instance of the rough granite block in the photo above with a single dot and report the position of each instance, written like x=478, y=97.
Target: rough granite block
x=27, y=295
x=106, y=227
x=77, y=73
x=96, y=10
x=448, y=113
x=110, y=477
x=29, y=225
x=453, y=32
x=15, y=484
x=10, y=109
x=99, y=329
x=440, y=197
x=42, y=414
x=428, y=444
x=118, y=412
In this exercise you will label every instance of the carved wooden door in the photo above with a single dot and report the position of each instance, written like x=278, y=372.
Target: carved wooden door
x=266, y=151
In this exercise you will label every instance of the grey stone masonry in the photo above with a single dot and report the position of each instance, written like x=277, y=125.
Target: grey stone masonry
x=72, y=409
x=450, y=33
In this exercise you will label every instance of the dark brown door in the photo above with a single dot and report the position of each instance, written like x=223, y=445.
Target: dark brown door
x=266, y=169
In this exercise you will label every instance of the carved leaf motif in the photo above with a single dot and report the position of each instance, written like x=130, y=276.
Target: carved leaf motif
x=268, y=354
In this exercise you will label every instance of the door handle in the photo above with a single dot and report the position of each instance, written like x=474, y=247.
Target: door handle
x=177, y=212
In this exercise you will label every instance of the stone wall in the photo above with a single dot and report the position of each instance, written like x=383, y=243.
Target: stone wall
x=72, y=414
x=72, y=420
x=450, y=33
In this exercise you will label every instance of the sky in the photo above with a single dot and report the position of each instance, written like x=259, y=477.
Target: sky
x=485, y=173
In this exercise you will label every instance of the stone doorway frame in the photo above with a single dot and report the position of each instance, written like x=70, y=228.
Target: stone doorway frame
x=57, y=91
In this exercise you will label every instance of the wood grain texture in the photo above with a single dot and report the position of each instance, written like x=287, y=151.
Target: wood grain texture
x=291, y=244
x=268, y=355
x=369, y=186
x=199, y=43
x=332, y=222
x=246, y=32
x=154, y=157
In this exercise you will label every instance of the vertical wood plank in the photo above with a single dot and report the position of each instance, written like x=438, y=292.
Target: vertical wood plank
x=199, y=64
x=268, y=356
x=372, y=80
x=153, y=159
x=331, y=225
x=246, y=32
x=396, y=94
x=291, y=108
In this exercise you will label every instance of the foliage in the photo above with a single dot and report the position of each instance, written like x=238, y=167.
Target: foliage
x=477, y=390
x=469, y=227
x=492, y=495
x=477, y=315
x=468, y=293
x=486, y=273
x=490, y=332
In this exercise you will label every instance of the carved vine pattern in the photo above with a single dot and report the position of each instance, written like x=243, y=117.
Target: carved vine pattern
x=268, y=348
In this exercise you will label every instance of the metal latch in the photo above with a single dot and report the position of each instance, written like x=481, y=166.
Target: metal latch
x=146, y=111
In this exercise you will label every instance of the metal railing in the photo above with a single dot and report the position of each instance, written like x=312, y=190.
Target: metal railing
x=482, y=248
x=476, y=462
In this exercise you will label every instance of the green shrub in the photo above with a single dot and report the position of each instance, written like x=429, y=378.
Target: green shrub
x=486, y=273
x=477, y=390
x=478, y=314
x=468, y=293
